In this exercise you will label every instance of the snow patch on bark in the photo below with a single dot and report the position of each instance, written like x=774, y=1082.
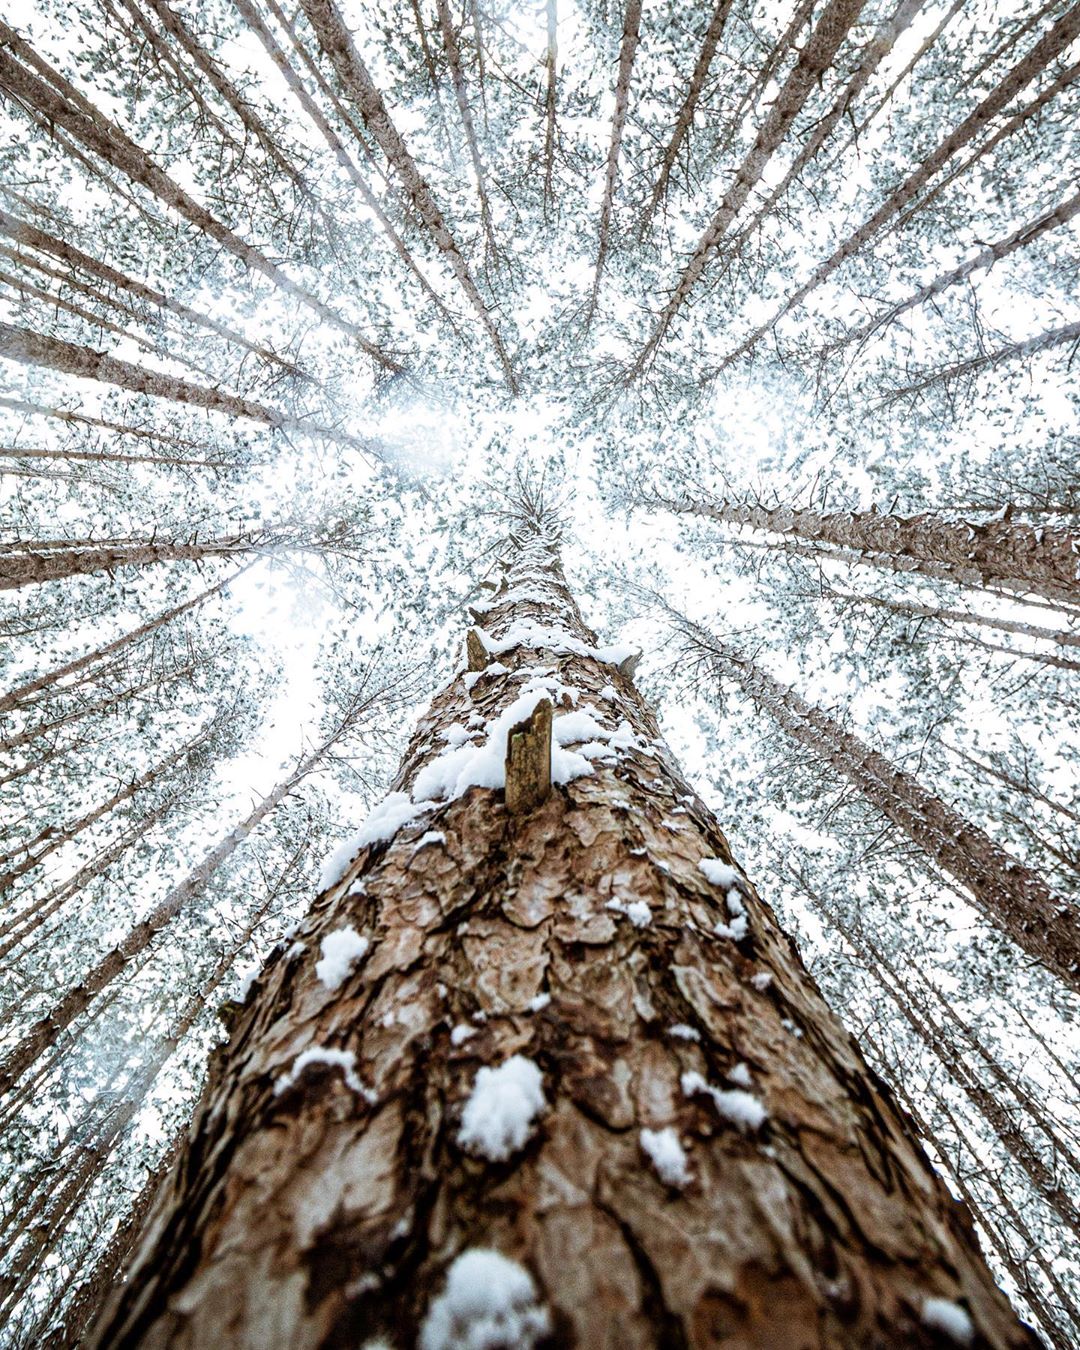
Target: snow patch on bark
x=539, y=637
x=637, y=911
x=340, y=952
x=719, y=872
x=489, y=1303
x=498, y=1117
x=341, y=1059
x=667, y=1155
x=740, y=1108
x=383, y=822
x=942, y=1314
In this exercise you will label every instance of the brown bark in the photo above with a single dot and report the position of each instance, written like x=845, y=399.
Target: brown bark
x=58, y=102
x=627, y=49
x=335, y=40
x=836, y=21
x=452, y=47
x=21, y=566
x=31, y=237
x=37, y=349
x=875, y=51
x=1049, y=46
x=251, y=17
x=1005, y=553
x=1007, y=893
x=81, y=419
x=321, y=1203
x=105, y=457
x=986, y=257
x=685, y=117
x=26, y=691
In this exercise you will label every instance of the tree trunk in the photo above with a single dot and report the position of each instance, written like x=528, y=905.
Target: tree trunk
x=336, y=42
x=685, y=118
x=81, y=419
x=627, y=49
x=1055, y=41
x=551, y=56
x=1043, y=560
x=28, y=567
x=837, y=20
x=527, y=1048
x=1009, y=895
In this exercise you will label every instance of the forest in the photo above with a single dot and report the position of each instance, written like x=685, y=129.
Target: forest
x=539, y=632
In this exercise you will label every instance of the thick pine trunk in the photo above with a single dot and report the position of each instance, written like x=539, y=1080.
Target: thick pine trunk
x=1041, y=560
x=369, y=1124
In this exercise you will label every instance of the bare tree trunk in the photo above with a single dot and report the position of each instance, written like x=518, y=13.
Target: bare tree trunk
x=26, y=691
x=31, y=237
x=836, y=21
x=551, y=56
x=685, y=118
x=63, y=105
x=1008, y=894
x=986, y=257
x=251, y=17
x=457, y=79
x=37, y=349
x=335, y=40
x=44, y=1032
x=20, y=566
x=81, y=419
x=627, y=49
x=1049, y=46
x=974, y=365
x=105, y=457
x=1013, y=555
x=491, y=1066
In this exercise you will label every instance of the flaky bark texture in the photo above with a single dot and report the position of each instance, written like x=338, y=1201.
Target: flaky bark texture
x=1040, y=560
x=321, y=1205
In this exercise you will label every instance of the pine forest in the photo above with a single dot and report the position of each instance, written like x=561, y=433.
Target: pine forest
x=539, y=635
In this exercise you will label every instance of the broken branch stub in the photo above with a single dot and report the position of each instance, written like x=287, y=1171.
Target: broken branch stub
x=476, y=654
x=528, y=760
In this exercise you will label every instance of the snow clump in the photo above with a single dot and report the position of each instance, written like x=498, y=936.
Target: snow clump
x=341, y=1059
x=741, y=1108
x=667, y=1155
x=498, y=1117
x=489, y=1303
x=637, y=911
x=942, y=1314
x=718, y=872
x=340, y=951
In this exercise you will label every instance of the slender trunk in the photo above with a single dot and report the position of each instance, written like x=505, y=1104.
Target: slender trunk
x=31, y=237
x=911, y=609
x=1057, y=40
x=457, y=78
x=44, y=1032
x=627, y=49
x=27, y=567
x=104, y=457
x=551, y=56
x=1007, y=894
x=685, y=119
x=61, y=104
x=879, y=46
x=986, y=257
x=944, y=376
x=54, y=837
x=335, y=40
x=1006, y=553
x=251, y=17
x=349, y=1148
x=37, y=349
x=81, y=419
x=433, y=78
x=31, y=917
x=80, y=663
x=1025, y=789
x=830, y=31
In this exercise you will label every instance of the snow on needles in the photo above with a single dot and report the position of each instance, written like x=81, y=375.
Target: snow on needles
x=498, y=1117
x=340, y=951
x=667, y=1155
x=489, y=1302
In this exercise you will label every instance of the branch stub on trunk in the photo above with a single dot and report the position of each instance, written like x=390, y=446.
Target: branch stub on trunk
x=528, y=760
x=476, y=654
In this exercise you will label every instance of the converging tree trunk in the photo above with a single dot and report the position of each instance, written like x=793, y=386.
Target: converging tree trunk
x=541, y=1068
x=1008, y=894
